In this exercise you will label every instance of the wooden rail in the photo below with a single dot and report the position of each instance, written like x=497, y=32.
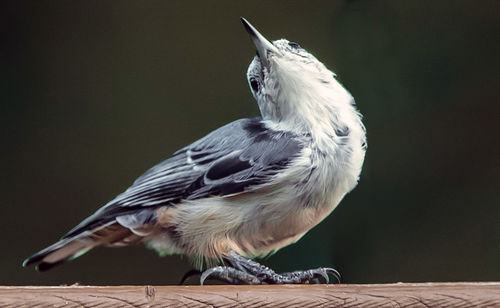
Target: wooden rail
x=375, y=295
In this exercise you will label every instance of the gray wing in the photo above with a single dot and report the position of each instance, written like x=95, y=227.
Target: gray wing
x=235, y=158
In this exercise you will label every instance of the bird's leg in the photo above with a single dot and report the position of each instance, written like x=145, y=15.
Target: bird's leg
x=247, y=271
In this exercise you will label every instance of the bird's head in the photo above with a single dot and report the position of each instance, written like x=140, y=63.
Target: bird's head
x=289, y=83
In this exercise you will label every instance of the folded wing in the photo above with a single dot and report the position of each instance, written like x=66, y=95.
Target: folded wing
x=236, y=158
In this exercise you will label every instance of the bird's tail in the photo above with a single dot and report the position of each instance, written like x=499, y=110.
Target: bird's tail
x=59, y=252
x=69, y=248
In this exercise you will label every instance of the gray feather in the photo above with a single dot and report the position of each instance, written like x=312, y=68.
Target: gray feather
x=235, y=158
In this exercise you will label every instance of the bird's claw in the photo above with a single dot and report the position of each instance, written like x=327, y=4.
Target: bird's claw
x=321, y=272
x=333, y=272
x=306, y=276
x=324, y=272
x=189, y=274
x=236, y=276
x=230, y=275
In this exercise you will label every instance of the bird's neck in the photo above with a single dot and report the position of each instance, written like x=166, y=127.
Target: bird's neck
x=326, y=112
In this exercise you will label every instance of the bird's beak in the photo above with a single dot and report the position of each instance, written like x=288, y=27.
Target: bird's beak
x=264, y=47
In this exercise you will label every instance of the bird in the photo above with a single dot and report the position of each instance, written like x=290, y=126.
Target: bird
x=248, y=188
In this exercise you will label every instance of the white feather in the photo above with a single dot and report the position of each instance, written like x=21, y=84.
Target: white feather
x=297, y=94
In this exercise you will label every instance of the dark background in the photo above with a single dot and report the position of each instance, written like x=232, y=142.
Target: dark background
x=95, y=92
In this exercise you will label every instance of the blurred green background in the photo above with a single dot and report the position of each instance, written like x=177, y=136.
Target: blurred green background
x=95, y=92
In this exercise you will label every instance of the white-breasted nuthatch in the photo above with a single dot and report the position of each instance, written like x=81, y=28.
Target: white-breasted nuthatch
x=248, y=188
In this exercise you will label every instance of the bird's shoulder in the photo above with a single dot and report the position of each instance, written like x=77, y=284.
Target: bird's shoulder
x=251, y=140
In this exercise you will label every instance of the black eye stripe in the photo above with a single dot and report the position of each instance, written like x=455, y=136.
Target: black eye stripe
x=294, y=45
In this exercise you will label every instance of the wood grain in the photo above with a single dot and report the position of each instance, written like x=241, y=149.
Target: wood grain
x=375, y=295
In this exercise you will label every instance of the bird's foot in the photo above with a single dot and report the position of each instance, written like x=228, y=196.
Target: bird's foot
x=229, y=275
x=246, y=271
x=306, y=276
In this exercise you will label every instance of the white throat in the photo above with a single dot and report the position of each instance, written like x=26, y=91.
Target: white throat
x=309, y=100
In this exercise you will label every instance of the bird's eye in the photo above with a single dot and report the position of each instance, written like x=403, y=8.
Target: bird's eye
x=294, y=45
x=254, y=84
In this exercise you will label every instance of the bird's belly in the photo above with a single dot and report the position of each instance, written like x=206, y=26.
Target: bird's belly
x=276, y=225
x=251, y=224
x=271, y=235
